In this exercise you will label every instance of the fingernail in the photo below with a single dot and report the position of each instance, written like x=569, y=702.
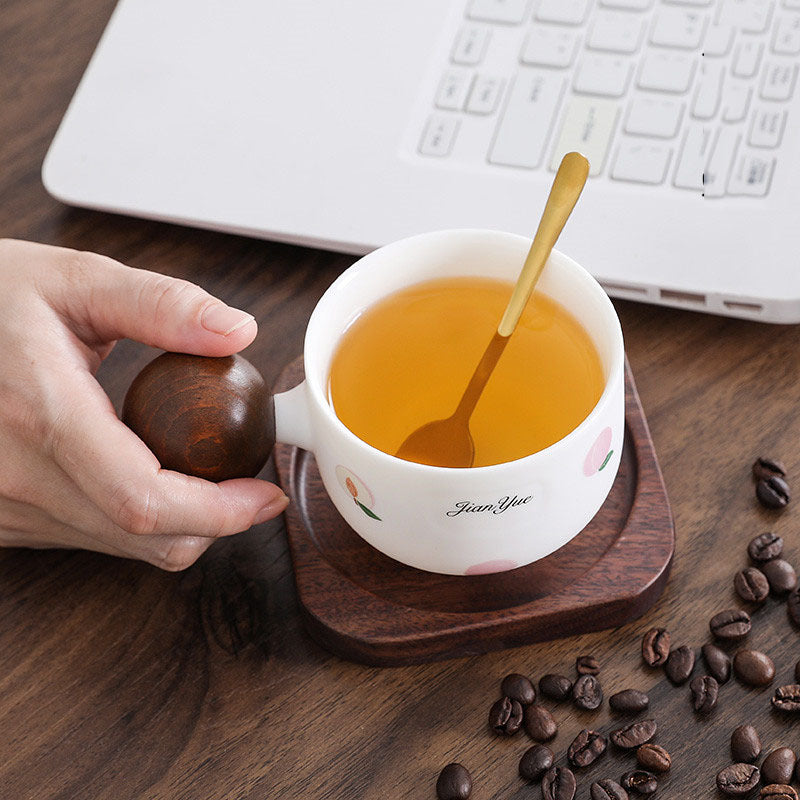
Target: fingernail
x=272, y=509
x=224, y=320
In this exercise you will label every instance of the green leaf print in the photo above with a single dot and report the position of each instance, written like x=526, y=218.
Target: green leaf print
x=367, y=511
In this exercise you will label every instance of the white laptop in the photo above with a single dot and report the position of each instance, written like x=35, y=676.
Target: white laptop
x=349, y=124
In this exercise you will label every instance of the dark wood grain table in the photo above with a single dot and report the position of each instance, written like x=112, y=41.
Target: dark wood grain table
x=121, y=681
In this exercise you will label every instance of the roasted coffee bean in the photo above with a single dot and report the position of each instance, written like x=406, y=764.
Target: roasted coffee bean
x=539, y=723
x=654, y=758
x=558, y=783
x=764, y=467
x=586, y=748
x=765, y=547
x=778, y=766
x=640, y=781
x=680, y=664
x=556, y=687
x=745, y=743
x=738, y=779
x=718, y=663
x=629, y=701
x=793, y=607
x=753, y=667
x=518, y=688
x=655, y=647
x=587, y=693
x=454, y=783
x=587, y=665
x=535, y=762
x=505, y=716
x=704, y=691
x=787, y=698
x=751, y=585
x=781, y=576
x=777, y=791
x=773, y=492
x=635, y=734
x=607, y=790
x=730, y=625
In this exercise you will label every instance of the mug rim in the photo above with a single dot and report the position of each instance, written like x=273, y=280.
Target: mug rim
x=319, y=396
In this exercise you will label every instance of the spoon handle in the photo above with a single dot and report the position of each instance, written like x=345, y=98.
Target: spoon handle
x=480, y=377
x=566, y=190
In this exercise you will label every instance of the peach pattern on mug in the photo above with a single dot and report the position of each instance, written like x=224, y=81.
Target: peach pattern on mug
x=489, y=567
x=599, y=453
x=357, y=489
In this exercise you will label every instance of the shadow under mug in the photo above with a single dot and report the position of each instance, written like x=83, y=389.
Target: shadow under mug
x=459, y=521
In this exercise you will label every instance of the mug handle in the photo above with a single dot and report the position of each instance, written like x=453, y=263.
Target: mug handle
x=214, y=418
x=293, y=418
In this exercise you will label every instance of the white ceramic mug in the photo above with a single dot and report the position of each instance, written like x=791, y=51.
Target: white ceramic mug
x=459, y=521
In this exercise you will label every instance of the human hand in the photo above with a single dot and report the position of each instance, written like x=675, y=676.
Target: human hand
x=71, y=474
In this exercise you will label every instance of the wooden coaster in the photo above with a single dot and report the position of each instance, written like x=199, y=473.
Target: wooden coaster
x=366, y=607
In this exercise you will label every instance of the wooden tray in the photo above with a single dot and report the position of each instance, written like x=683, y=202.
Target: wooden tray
x=367, y=607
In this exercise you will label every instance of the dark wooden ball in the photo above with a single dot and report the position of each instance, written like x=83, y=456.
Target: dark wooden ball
x=209, y=417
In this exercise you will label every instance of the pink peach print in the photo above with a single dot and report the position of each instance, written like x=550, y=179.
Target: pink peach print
x=599, y=453
x=488, y=567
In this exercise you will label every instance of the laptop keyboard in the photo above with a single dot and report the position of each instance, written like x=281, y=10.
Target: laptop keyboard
x=690, y=94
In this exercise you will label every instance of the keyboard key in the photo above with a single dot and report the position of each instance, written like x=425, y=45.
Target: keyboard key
x=750, y=16
x=709, y=90
x=751, y=175
x=633, y=5
x=692, y=160
x=549, y=47
x=718, y=168
x=787, y=35
x=588, y=127
x=735, y=101
x=616, y=32
x=696, y=3
x=511, y=12
x=607, y=76
x=718, y=40
x=528, y=119
x=470, y=46
x=778, y=81
x=453, y=90
x=485, y=94
x=566, y=12
x=675, y=27
x=791, y=3
x=439, y=136
x=747, y=58
x=641, y=162
x=767, y=127
x=656, y=117
x=667, y=72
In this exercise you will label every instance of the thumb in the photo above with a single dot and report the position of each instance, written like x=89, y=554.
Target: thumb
x=107, y=300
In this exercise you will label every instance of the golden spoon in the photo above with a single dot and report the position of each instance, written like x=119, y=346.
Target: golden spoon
x=448, y=442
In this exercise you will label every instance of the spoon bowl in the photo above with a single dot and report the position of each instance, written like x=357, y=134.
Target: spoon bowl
x=441, y=443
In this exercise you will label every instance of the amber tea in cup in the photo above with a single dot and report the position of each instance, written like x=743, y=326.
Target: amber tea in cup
x=407, y=359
